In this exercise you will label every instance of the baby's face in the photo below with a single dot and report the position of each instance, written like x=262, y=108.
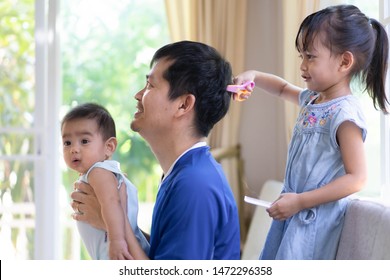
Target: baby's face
x=83, y=144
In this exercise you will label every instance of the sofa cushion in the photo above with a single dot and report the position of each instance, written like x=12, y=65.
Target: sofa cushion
x=366, y=232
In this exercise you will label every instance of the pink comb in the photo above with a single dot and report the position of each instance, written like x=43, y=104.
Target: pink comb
x=241, y=92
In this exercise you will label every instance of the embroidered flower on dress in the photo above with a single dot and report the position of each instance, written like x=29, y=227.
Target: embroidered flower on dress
x=316, y=117
x=312, y=118
x=322, y=122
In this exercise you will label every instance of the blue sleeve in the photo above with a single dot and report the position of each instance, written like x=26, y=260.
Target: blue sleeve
x=350, y=111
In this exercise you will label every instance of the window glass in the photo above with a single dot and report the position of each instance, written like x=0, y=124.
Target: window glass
x=106, y=49
x=16, y=129
x=373, y=144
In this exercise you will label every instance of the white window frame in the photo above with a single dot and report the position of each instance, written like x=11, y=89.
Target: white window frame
x=384, y=198
x=47, y=101
x=384, y=8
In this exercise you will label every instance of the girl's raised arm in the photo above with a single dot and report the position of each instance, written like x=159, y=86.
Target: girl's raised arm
x=272, y=84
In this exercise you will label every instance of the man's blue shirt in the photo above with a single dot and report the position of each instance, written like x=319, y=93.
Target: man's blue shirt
x=195, y=215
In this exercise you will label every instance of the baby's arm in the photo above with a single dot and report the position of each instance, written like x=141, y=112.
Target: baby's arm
x=350, y=140
x=104, y=184
x=271, y=84
x=134, y=247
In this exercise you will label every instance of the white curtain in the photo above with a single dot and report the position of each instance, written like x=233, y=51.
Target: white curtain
x=294, y=12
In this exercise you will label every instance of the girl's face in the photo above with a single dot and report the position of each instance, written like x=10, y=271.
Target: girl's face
x=83, y=144
x=320, y=69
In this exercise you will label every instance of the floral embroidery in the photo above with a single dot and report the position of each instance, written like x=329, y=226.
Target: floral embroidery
x=312, y=119
x=322, y=122
x=315, y=118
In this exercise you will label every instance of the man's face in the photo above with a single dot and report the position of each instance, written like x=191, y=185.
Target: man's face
x=155, y=111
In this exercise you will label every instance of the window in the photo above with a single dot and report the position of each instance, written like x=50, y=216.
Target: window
x=378, y=140
x=106, y=48
x=18, y=158
x=385, y=120
x=84, y=51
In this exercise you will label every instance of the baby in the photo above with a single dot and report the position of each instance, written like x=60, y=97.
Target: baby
x=89, y=141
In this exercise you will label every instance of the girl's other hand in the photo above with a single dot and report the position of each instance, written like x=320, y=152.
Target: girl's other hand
x=285, y=206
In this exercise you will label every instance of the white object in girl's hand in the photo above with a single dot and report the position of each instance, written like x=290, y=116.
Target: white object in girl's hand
x=258, y=202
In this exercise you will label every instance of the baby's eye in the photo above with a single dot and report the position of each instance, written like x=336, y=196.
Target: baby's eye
x=85, y=141
x=66, y=143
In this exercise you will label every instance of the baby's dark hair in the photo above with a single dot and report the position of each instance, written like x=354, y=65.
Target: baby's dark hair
x=346, y=28
x=105, y=122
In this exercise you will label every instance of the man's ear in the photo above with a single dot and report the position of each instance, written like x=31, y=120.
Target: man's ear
x=347, y=61
x=186, y=103
x=111, y=145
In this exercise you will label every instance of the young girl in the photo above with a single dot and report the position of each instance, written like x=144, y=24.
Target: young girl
x=326, y=161
x=88, y=136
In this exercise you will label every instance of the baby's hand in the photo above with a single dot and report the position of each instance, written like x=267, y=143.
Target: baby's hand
x=285, y=206
x=118, y=250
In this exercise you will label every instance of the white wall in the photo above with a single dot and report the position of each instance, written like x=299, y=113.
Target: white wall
x=262, y=133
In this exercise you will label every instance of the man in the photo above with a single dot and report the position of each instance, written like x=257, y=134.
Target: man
x=195, y=215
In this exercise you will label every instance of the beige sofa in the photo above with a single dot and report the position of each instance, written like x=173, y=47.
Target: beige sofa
x=365, y=234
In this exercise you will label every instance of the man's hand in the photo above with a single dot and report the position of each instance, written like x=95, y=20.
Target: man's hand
x=86, y=206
